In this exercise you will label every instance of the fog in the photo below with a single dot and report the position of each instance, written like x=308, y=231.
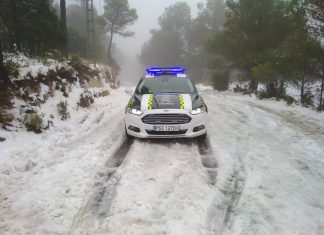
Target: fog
x=148, y=13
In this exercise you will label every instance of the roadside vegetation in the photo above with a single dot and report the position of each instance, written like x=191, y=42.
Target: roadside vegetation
x=274, y=46
x=45, y=58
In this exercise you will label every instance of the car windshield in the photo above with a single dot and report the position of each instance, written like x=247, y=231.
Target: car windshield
x=165, y=84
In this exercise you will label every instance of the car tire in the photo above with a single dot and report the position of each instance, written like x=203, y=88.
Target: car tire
x=202, y=137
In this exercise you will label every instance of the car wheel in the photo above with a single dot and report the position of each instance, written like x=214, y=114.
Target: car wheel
x=202, y=137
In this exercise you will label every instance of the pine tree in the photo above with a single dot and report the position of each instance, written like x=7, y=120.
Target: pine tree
x=251, y=35
x=119, y=16
x=32, y=25
x=167, y=44
x=316, y=12
x=299, y=53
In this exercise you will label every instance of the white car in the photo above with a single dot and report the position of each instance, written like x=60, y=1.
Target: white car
x=166, y=104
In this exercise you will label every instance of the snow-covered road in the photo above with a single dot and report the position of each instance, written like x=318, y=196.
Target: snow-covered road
x=261, y=171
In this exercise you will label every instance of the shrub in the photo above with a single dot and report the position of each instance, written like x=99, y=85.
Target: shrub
x=51, y=91
x=243, y=89
x=221, y=80
x=11, y=68
x=63, y=90
x=5, y=117
x=101, y=93
x=65, y=73
x=85, y=101
x=62, y=110
x=104, y=93
x=273, y=89
x=77, y=64
x=5, y=99
x=308, y=99
x=263, y=94
x=5, y=104
x=82, y=70
x=289, y=99
x=263, y=72
x=33, y=122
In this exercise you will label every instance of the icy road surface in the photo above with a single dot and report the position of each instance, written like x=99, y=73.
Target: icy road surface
x=261, y=171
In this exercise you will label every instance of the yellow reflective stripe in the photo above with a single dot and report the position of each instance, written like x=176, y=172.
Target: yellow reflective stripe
x=150, y=102
x=181, y=100
x=130, y=103
x=202, y=101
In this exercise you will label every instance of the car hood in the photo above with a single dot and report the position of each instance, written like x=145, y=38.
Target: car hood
x=166, y=101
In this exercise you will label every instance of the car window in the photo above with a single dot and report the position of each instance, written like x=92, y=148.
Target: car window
x=165, y=84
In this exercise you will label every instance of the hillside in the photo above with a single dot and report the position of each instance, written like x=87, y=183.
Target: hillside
x=44, y=93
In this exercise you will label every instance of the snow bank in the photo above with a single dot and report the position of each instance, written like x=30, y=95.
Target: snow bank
x=45, y=178
x=42, y=84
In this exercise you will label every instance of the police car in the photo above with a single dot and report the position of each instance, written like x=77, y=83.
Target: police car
x=166, y=104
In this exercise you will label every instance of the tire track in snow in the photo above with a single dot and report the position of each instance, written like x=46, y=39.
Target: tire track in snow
x=231, y=177
x=231, y=191
x=207, y=158
x=105, y=191
x=162, y=184
x=99, y=202
x=100, y=117
x=269, y=140
x=236, y=189
x=226, y=199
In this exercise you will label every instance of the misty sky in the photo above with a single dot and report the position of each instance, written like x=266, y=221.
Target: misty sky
x=148, y=12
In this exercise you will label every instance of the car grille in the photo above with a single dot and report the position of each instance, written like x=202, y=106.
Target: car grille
x=181, y=132
x=170, y=119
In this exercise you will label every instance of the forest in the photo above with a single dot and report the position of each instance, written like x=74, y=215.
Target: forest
x=277, y=43
x=64, y=40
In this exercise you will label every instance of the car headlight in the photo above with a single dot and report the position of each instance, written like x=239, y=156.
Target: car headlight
x=199, y=110
x=135, y=111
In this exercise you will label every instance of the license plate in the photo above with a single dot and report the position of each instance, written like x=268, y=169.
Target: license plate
x=166, y=128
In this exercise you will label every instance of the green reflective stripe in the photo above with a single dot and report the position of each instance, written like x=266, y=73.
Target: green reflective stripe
x=130, y=103
x=150, y=102
x=181, y=100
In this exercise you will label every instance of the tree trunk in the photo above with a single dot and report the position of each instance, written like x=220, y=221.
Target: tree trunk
x=1, y=58
x=302, y=91
x=3, y=74
x=64, y=28
x=253, y=84
x=320, y=108
x=281, y=89
x=16, y=27
x=111, y=35
x=110, y=44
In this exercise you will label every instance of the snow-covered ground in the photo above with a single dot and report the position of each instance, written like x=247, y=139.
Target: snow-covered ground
x=259, y=172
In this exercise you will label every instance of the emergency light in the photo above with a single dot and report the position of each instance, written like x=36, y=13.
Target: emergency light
x=155, y=71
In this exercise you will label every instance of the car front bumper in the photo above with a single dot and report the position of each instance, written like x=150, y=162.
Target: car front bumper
x=186, y=130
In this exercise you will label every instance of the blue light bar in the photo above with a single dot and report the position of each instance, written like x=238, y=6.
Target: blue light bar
x=160, y=71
